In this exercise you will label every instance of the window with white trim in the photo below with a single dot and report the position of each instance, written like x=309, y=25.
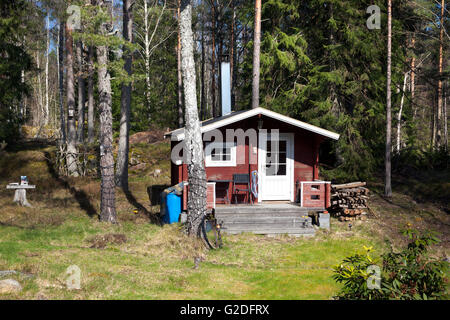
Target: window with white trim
x=220, y=154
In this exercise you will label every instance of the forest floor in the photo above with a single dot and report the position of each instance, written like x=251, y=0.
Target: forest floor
x=138, y=259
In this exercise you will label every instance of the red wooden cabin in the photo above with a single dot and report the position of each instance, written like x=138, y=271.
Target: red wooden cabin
x=288, y=174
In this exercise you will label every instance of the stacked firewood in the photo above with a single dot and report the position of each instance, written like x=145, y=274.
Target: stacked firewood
x=349, y=201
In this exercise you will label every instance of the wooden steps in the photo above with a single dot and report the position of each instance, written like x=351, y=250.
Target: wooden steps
x=271, y=220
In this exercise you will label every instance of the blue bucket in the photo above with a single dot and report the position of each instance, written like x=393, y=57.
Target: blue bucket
x=173, y=208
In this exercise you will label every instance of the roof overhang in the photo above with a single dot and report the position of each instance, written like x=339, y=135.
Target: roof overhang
x=211, y=124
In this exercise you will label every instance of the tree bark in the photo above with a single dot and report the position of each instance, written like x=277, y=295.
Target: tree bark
x=413, y=76
x=179, y=76
x=122, y=155
x=256, y=54
x=440, y=92
x=233, y=62
x=399, y=115
x=61, y=82
x=213, y=60
x=81, y=93
x=107, y=205
x=46, y=106
x=387, y=186
x=91, y=96
x=72, y=153
x=193, y=137
x=202, y=76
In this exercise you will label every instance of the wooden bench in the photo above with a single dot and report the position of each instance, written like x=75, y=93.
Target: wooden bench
x=20, y=195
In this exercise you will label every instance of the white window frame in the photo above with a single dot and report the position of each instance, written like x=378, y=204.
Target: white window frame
x=220, y=163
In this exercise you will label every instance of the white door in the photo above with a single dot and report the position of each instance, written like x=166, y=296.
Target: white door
x=275, y=166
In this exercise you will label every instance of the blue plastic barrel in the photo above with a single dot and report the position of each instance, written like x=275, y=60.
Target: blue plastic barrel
x=173, y=208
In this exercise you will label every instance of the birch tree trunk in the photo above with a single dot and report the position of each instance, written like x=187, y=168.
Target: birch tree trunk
x=81, y=93
x=72, y=153
x=193, y=136
x=125, y=102
x=256, y=55
x=107, y=205
x=147, y=55
x=399, y=115
x=61, y=82
x=91, y=96
x=388, y=186
x=46, y=108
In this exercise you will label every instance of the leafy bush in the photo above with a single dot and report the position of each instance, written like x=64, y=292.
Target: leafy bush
x=407, y=275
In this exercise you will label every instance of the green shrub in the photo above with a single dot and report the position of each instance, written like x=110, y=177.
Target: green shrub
x=407, y=275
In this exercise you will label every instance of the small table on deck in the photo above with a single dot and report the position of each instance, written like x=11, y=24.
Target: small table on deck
x=20, y=195
x=228, y=183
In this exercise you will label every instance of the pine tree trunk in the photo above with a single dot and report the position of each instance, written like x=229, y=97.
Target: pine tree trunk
x=193, y=137
x=179, y=76
x=72, y=166
x=122, y=155
x=61, y=82
x=107, y=205
x=256, y=55
x=81, y=93
x=445, y=116
x=91, y=96
x=387, y=186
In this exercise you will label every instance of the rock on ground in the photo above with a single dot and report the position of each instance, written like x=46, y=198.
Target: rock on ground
x=9, y=286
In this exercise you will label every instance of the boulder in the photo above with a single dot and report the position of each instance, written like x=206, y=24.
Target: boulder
x=9, y=286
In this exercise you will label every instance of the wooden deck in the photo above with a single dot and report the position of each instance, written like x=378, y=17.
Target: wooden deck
x=265, y=218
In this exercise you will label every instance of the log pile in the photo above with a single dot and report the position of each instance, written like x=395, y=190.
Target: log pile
x=349, y=201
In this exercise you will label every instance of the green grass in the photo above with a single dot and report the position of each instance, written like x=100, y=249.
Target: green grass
x=158, y=262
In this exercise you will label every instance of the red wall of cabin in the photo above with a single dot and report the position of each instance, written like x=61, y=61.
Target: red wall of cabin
x=306, y=154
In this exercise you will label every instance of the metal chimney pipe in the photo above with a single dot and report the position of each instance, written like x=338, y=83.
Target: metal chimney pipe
x=225, y=87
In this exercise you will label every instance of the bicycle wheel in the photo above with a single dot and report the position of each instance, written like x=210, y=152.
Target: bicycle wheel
x=211, y=232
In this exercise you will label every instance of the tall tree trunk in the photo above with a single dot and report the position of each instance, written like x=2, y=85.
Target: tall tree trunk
x=61, y=82
x=193, y=136
x=125, y=102
x=233, y=62
x=81, y=93
x=72, y=166
x=46, y=108
x=179, y=76
x=412, y=78
x=91, y=95
x=40, y=109
x=440, y=92
x=445, y=116
x=256, y=55
x=147, y=56
x=107, y=205
x=399, y=115
x=388, y=186
x=202, y=75
x=213, y=60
